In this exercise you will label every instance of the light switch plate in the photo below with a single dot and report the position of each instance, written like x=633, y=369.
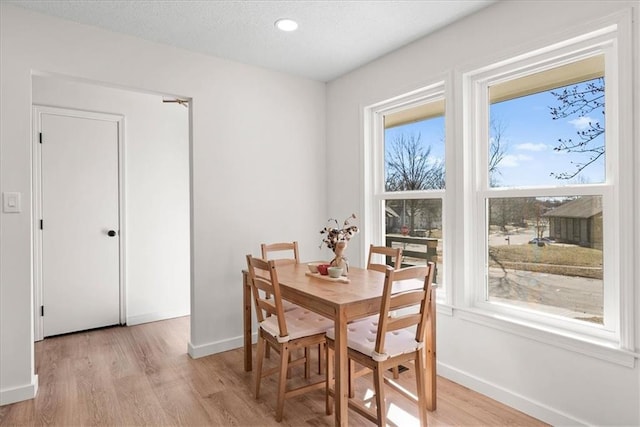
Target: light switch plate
x=11, y=202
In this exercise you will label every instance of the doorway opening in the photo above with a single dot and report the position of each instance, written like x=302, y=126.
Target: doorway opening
x=154, y=195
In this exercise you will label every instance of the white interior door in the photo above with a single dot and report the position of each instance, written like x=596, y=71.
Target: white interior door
x=80, y=229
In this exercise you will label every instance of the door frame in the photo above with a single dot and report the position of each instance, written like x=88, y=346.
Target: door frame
x=36, y=167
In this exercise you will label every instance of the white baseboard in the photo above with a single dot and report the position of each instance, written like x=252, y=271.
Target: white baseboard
x=196, y=351
x=530, y=407
x=18, y=394
x=154, y=317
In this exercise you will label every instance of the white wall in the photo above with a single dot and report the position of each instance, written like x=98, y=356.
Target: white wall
x=156, y=169
x=257, y=135
x=554, y=384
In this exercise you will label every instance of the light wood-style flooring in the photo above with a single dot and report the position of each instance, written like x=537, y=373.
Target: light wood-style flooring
x=142, y=376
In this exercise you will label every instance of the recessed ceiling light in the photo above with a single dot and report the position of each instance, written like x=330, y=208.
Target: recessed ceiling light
x=285, y=24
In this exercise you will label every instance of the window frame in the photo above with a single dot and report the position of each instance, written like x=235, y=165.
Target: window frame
x=614, y=43
x=374, y=170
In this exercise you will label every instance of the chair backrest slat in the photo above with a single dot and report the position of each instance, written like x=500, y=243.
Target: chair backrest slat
x=264, y=277
x=267, y=249
x=406, y=299
x=264, y=284
x=403, y=322
x=394, y=253
x=419, y=298
x=268, y=306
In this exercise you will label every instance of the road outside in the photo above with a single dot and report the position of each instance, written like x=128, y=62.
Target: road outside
x=517, y=236
x=575, y=297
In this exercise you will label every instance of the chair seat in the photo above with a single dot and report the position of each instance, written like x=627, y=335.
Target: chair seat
x=288, y=306
x=300, y=323
x=361, y=336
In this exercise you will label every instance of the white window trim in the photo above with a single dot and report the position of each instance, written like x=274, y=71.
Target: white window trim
x=613, y=36
x=374, y=191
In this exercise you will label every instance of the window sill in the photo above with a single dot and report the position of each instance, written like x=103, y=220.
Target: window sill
x=599, y=349
x=445, y=309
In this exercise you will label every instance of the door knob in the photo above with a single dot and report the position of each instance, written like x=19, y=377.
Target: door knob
x=111, y=233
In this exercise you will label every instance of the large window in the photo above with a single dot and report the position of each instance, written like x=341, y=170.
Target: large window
x=544, y=190
x=547, y=129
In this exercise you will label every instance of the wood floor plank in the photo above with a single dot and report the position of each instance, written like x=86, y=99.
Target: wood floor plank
x=142, y=376
x=138, y=404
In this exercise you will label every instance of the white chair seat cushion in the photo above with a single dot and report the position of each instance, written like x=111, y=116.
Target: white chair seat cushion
x=288, y=306
x=300, y=323
x=361, y=336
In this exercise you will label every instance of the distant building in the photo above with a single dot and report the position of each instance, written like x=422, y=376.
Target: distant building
x=577, y=222
x=427, y=217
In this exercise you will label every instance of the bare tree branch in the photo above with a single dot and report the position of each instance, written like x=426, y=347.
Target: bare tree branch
x=497, y=148
x=580, y=101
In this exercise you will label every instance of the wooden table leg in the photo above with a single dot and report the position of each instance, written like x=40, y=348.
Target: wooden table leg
x=246, y=321
x=341, y=367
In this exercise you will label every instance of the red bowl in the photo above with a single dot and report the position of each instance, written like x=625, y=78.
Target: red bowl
x=322, y=269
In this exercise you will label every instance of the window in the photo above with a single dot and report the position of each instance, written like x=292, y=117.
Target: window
x=408, y=177
x=547, y=129
x=544, y=191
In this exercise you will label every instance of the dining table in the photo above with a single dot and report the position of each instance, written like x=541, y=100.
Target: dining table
x=356, y=296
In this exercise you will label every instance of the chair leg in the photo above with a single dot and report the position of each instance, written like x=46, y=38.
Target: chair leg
x=268, y=350
x=352, y=375
x=396, y=372
x=329, y=374
x=259, y=359
x=307, y=362
x=421, y=386
x=282, y=381
x=320, y=357
x=378, y=382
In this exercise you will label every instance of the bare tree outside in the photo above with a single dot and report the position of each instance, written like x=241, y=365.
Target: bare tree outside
x=411, y=167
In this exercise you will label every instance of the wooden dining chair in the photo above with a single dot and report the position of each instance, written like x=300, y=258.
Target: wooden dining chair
x=395, y=254
x=285, y=331
x=280, y=250
x=390, y=341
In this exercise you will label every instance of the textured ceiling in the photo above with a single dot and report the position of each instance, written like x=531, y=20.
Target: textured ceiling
x=333, y=38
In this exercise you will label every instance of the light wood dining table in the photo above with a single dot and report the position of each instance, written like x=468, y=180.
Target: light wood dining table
x=342, y=302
